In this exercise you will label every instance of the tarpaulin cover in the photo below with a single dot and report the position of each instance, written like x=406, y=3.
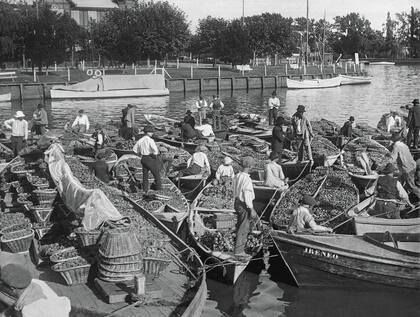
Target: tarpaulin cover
x=90, y=204
x=118, y=82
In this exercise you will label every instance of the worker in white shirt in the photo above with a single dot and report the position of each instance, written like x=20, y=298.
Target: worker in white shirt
x=205, y=130
x=274, y=176
x=81, y=123
x=201, y=106
x=225, y=171
x=19, y=127
x=273, y=107
x=394, y=121
x=147, y=148
x=197, y=163
x=243, y=193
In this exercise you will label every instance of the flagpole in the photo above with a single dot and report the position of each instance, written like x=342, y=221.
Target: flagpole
x=307, y=32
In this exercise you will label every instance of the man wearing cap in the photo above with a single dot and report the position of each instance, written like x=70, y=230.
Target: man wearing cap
x=273, y=107
x=189, y=119
x=130, y=116
x=388, y=192
x=187, y=131
x=401, y=155
x=34, y=297
x=198, y=162
x=81, y=123
x=274, y=176
x=147, y=148
x=201, y=106
x=303, y=219
x=217, y=106
x=243, y=193
x=347, y=129
x=302, y=132
x=100, y=167
x=278, y=137
x=225, y=170
x=19, y=127
x=413, y=123
x=40, y=120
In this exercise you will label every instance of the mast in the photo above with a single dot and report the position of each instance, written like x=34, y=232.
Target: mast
x=307, y=32
x=323, y=41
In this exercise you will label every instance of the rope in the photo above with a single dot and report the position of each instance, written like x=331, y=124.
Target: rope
x=302, y=171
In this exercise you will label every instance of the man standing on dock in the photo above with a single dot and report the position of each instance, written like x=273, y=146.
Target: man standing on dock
x=413, y=123
x=19, y=127
x=147, y=148
x=273, y=107
x=302, y=132
x=243, y=193
x=217, y=106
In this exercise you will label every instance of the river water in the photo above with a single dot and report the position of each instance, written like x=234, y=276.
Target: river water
x=258, y=294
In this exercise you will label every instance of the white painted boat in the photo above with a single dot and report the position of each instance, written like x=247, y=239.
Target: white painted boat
x=113, y=86
x=382, y=63
x=313, y=83
x=355, y=80
x=5, y=97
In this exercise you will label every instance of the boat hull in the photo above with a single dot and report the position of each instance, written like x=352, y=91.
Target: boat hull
x=364, y=225
x=5, y=97
x=313, y=83
x=319, y=265
x=355, y=80
x=120, y=93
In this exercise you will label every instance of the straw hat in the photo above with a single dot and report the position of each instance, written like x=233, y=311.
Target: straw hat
x=19, y=114
x=248, y=161
x=227, y=160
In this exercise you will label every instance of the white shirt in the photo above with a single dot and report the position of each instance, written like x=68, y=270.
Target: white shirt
x=301, y=218
x=146, y=146
x=100, y=139
x=200, y=159
x=402, y=156
x=299, y=126
x=225, y=171
x=81, y=120
x=201, y=104
x=205, y=129
x=243, y=188
x=274, y=176
x=273, y=102
x=18, y=127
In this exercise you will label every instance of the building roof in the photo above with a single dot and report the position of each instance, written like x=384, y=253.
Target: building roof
x=97, y=4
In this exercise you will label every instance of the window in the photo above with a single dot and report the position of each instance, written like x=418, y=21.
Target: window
x=84, y=21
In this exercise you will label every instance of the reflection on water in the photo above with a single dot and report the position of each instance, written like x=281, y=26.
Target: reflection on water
x=255, y=294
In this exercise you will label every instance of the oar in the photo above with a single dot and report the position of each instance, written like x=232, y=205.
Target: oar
x=320, y=186
x=413, y=209
x=268, y=204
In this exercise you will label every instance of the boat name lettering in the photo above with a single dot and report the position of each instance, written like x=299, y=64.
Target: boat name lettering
x=325, y=254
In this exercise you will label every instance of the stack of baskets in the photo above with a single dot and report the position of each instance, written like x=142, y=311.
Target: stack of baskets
x=19, y=170
x=120, y=257
x=16, y=234
x=88, y=237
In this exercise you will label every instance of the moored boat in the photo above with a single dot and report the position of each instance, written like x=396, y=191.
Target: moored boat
x=364, y=223
x=382, y=63
x=113, y=86
x=355, y=80
x=313, y=83
x=261, y=133
x=5, y=97
x=345, y=261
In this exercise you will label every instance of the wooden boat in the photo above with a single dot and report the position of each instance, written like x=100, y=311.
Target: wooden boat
x=174, y=141
x=345, y=261
x=296, y=170
x=382, y=63
x=226, y=267
x=5, y=97
x=313, y=83
x=113, y=86
x=258, y=145
x=364, y=183
x=355, y=80
x=364, y=223
x=406, y=243
x=264, y=134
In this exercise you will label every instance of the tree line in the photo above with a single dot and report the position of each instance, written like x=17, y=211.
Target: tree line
x=159, y=30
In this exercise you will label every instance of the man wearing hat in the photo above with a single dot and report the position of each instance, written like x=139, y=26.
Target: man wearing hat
x=302, y=132
x=274, y=176
x=198, y=162
x=389, y=192
x=201, y=106
x=147, y=148
x=243, y=193
x=99, y=137
x=413, y=123
x=40, y=120
x=402, y=157
x=34, y=298
x=303, y=219
x=273, y=107
x=347, y=129
x=19, y=127
x=225, y=171
x=217, y=105
x=189, y=119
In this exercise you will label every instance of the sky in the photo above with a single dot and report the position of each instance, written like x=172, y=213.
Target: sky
x=373, y=10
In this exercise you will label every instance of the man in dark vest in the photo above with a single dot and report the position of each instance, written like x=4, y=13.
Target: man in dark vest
x=217, y=106
x=389, y=192
x=189, y=119
x=413, y=123
x=278, y=138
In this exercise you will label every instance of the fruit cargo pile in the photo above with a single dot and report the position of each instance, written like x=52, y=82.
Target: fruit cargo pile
x=325, y=127
x=217, y=197
x=224, y=241
x=336, y=196
x=321, y=148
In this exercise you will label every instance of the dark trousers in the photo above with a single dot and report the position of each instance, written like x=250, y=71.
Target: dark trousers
x=413, y=133
x=153, y=165
x=39, y=129
x=272, y=116
x=303, y=144
x=17, y=144
x=242, y=226
x=385, y=209
x=217, y=120
x=194, y=169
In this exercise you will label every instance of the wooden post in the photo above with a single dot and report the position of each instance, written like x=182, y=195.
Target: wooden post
x=200, y=87
x=232, y=84
x=265, y=69
x=354, y=68
x=334, y=68
x=177, y=63
x=247, y=83
x=55, y=67
x=83, y=65
x=218, y=68
x=276, y=79
x=135, y=70
x=192, y=72
x=148, y=62
x=43, y=91
x=218, y=85
x=155, y=63
x=103, y=72
x=185, y=85
x=285, y=69
x=345, y=68
x=243, y=71
x=304, y=69
x=21, y=92
x=197, y=62
x=34, y=75
x=262, y=82
x=68, y=74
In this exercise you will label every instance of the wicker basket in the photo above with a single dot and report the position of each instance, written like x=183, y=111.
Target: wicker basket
x=225, y=221
x=45, y=196
x=155, y=266
x=42, y=214
x=119, y=242
x=23, y=223
x=40, y=232
x=73, y=275
x=88, y=237
x=65, y=255
x=120, y=260
x=113, y=277
x=18, y=245
x=121, y=268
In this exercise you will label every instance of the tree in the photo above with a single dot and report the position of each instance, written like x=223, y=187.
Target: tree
x=9, y=30
x=209, y=36
x=235, y=44
x=390, y=45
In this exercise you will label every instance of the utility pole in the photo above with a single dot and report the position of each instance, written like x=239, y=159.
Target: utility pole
x=243, y=12
x=307, y=32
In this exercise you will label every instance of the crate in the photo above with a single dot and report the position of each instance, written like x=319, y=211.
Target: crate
x=155, y=266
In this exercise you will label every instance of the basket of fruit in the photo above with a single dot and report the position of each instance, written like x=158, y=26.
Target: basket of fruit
x=41, y=183
x=23, y=224
x=86, y=237
x=66, y=254
x=45, y=196
x=74, y=271
x=12, y=218
x=25, y=202
x=42, y=213
x=17, y=241
x=20, y=171
x=225, y=221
